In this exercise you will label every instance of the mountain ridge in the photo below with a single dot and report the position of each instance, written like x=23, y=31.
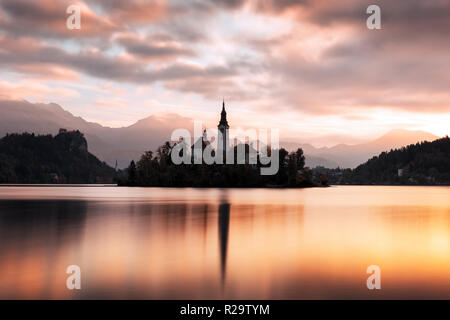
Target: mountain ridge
x=128, y=143
x=349, y=156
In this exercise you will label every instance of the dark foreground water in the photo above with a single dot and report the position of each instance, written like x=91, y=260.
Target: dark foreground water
x=224, y=243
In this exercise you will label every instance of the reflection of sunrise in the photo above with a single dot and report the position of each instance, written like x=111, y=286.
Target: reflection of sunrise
x=224, y=149
x=165, y=243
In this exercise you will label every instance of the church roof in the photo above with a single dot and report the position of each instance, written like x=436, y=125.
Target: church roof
x=223, y=116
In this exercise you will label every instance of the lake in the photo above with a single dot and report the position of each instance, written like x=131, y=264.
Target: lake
x=162, y=243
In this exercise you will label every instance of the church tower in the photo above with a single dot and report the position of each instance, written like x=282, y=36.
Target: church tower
x=223, y=127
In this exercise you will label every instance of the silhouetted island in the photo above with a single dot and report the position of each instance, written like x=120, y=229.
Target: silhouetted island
x=159, y=170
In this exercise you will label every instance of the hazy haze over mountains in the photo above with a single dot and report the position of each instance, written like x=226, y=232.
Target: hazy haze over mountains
x=127, y=143
x=350, y=156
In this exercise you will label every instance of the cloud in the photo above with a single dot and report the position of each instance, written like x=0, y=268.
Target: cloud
x=47, y=18
x=133, y=11
x=403, y=66
x=158, y=47
x=48, y=72
x=323, y=61
x=27, y=89
x=21, y=54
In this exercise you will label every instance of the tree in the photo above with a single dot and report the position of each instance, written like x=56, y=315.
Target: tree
x=292, y=168
x=323, y=179
x=163, y=154
x=160, y=171
x=282, y=174
x=300, y=159
x=132, y=173
x=144, y=168
x=64, y=158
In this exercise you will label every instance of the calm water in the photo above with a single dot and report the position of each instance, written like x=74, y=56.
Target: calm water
x=230, y=243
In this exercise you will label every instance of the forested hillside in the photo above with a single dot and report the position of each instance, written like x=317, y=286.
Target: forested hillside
x=27, y=158
x=421, y=163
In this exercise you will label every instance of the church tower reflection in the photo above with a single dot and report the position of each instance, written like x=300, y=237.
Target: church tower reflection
x=224, y=223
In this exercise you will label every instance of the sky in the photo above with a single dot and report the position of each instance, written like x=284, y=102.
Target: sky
x=311, y=68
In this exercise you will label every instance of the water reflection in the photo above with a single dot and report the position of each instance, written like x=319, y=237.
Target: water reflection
x=212, y=243
x=32, y=235
x=224, y=223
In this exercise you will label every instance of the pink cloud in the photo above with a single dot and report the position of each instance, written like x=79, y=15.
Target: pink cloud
x=34, y=90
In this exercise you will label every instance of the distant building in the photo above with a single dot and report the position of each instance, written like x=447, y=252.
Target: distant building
x=74, y=140
x=401, y=172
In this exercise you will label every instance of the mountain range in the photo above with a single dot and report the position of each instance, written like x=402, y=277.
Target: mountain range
x=350, y=156
x=108, y=144
x=126, y=143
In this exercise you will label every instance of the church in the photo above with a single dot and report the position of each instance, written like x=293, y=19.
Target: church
x=223, y=132
x=223, y=136
x=226, y=152
x=244, y=153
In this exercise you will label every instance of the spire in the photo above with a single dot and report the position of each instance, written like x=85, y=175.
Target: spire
x=223, y=115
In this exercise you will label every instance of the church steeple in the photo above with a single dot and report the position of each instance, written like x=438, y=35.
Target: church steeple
x=223, y=143
x=223, y=116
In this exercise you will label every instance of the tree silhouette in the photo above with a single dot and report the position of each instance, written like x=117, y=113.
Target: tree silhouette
x=159, y=171
x=132, y=173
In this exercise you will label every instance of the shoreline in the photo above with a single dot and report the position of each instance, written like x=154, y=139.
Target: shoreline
x=87, y=185
x=93, y=185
